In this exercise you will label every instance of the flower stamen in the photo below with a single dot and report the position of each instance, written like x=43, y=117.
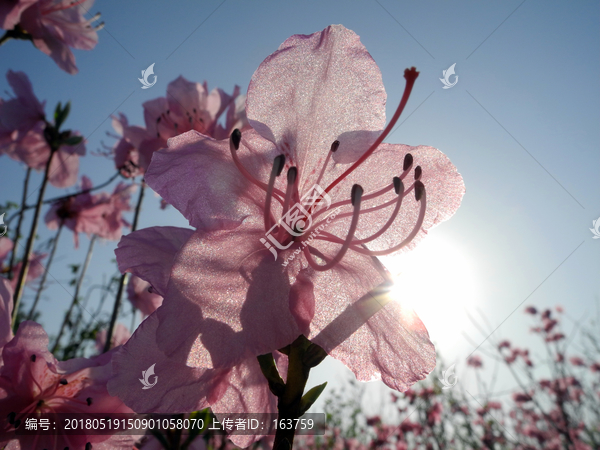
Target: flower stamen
x=278, y=164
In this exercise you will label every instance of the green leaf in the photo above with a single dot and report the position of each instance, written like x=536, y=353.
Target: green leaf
x=313, y=356
x=57, y=112
x=269, y=370
x=60, y=115
x=310, y=397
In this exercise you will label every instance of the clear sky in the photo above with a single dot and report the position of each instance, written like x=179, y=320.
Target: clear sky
x=521, y=125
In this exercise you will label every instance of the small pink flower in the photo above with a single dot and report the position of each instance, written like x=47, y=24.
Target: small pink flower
x=58, y=26
x=32, y=380
x=504, y=344
x=6, y=246
x=120, y=337
x=475, y=361
x=22, y=124
x=595, y=367
x=577, y=361
x=36, y=269
x=100, y=214
x=531, y=310
x=142, y=297
x=521, y=398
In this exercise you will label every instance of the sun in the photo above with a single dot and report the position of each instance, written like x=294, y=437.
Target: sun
x=438, y=281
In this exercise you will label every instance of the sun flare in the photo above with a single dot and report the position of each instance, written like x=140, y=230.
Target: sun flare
x=438, y=281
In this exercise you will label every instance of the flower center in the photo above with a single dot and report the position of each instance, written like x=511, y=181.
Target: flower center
x=299, y=224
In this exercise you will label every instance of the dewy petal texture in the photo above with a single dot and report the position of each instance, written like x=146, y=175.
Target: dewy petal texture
x=316, y=89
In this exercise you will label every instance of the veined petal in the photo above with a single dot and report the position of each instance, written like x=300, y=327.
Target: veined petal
x=313, y=90
x=150, y=253
x=230, y=296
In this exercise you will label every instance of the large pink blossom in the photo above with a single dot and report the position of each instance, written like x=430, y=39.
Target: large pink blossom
x=187, y=106
x=22, y=125
x=99, y=214
x=32, y=380
x=319, y=101
x=54, y=26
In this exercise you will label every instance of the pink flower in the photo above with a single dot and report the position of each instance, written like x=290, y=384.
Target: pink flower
x=531, y=310
x=36, y=269
x=11, y=10
x=120, y=337
x=22, y=125
x=32, y=380
x=6, y=246
x=504, y=344
x=577, y=361
x=187, y=106
x=227, y=299
x=142, y=297
x=57, y=26
x=100, y=214
x=475, y=361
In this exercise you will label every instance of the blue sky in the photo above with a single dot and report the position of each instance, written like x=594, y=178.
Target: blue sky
x=521, y=125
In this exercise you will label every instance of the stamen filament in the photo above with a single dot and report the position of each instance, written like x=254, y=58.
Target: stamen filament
x=275, y=172
x=332, y=150
x=357, y=192
x=410, y=75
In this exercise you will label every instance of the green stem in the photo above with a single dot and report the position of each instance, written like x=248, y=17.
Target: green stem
x=29, y=247
x=21, y=213
x=288, y=404
x=45, y=274
x=124, y=277
x=88, y=257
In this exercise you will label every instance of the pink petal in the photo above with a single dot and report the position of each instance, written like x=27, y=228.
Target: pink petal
x=150, y=253
x=237, y=308
x=6, y=305
x=316, y=89
x=142, y=297
x=386, y=342
x=178, y=389
x=6, y=246
x=63, y=169
x=198, y=177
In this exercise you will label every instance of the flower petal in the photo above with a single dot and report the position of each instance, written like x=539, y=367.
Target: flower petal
x=237, y=307
x=149, y=254
x=316, y=89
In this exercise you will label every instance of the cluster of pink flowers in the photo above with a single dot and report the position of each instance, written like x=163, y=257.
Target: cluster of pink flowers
x=187, y=106
x=54, y=27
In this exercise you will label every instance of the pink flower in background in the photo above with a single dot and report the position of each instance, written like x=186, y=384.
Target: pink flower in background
x=142, y=297
x=22, y=124
x=120, y=336
x=55, y=26
x=32, y=380
x=187, y=106
x=100, y=214
x=6, y=246
x=475, y=361
x=36, y=269
x=577, y=361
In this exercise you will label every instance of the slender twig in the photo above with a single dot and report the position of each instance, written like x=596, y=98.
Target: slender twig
x=29, y=247
x=66, y=197
x=13, y=255
x=88, y=257
x=124, y=277
x=45, y=274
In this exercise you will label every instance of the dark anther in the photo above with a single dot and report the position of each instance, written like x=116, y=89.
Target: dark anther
x=63, y=381
x=398, y=185
x=17, y=423
x=88, y=446
x=66, y=448
x=33, y=358
x=335, y=146
x=356, y=193
x=408, y=160
x=194, y=109
x=89, y=401
x=291, y=175
x=11, y=417
x=40, y=403
x=419, y=189
x=158, y=120
x=236, y=137
x=279, y=163
x=418, y=172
